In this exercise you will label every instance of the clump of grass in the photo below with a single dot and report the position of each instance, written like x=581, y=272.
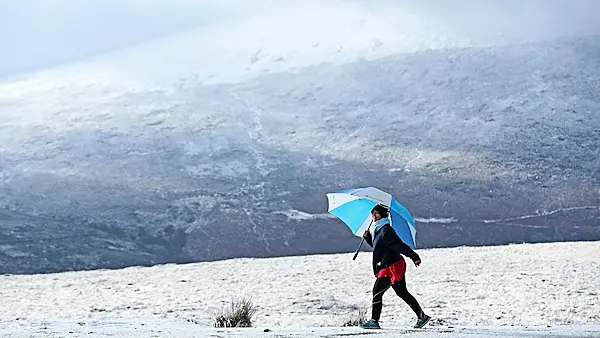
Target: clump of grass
x=357, y=318
x=238, y=314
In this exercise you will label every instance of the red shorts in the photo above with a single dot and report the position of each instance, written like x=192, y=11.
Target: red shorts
x=396, y=271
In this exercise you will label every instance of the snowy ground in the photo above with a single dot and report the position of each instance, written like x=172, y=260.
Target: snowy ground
x=501, y=290
x=165, y=328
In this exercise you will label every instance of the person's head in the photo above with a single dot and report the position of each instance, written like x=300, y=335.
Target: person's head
x=378, y=212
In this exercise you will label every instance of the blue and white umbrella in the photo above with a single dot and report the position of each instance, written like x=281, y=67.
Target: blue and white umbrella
x=353, y=207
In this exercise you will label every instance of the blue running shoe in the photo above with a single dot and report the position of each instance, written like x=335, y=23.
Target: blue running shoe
x=371, y=324
x=422, y=321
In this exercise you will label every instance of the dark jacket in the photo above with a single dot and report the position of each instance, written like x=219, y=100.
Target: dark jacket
x=387, y=248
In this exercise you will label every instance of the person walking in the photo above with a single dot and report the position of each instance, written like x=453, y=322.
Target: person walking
x=389, y=267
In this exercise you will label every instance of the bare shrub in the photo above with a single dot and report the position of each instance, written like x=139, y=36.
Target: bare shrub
x=238, y=314
x=357, y=318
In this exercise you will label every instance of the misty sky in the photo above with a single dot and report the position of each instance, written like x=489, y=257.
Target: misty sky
x=36, y=34
x=40, y=33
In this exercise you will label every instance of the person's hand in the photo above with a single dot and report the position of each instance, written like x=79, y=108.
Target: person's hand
x=366, y=233
x=417, y=262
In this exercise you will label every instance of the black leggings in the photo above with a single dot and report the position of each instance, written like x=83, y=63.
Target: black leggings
x=381, y=286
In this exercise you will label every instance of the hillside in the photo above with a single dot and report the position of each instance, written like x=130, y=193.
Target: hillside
x=145, y=156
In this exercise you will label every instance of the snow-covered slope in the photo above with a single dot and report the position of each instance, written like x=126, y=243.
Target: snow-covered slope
x=200, y=145
x=525, y=285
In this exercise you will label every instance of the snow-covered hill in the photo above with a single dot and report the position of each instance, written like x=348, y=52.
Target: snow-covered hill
x=516, y=288
x=221, y=141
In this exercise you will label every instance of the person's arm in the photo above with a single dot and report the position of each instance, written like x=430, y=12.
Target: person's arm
x=394, y=242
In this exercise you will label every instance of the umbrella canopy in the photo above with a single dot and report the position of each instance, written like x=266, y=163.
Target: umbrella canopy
x=353, y=207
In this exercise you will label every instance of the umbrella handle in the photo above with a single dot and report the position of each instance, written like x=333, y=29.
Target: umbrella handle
x=361, y=242
x=357, y=250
